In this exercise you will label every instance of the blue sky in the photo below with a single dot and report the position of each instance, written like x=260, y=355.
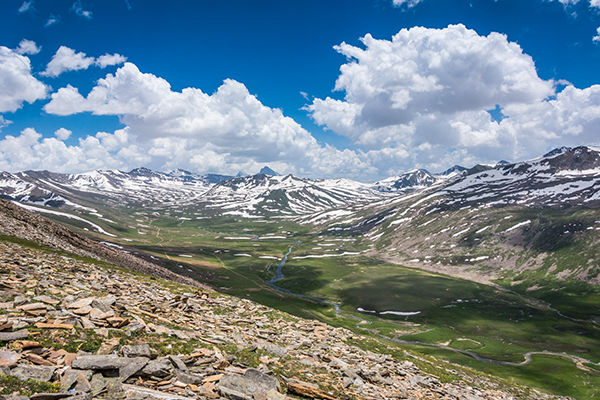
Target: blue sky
x=363, y=89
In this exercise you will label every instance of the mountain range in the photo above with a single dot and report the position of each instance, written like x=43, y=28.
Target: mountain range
x=562, y=177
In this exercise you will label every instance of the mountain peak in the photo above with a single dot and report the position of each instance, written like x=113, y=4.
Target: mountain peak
x=456, y=169
x=181, y=173
x=267, y=171
x=557, y=151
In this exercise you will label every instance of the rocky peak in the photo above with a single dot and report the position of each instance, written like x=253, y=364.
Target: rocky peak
x=577, y=159
x=267, y=171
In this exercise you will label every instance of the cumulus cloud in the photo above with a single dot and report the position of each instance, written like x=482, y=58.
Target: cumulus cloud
x=110, y=59
x=62, y=133
x=410, y=99
x=596, y=39
x=227, y=131
x=28, y=47
x=18, y=84
x=595, y=3
x=78, y=9
x=66, y=59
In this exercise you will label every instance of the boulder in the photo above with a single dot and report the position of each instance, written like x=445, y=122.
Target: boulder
x=36, y=372
x=253, y=384
x=99, y=362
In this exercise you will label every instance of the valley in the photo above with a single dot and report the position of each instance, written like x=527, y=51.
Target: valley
x=495, y=270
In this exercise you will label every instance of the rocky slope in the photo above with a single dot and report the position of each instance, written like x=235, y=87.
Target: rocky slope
x=76, y=330
x=19, y=222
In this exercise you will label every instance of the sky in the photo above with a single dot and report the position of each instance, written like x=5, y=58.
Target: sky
x=362, y=89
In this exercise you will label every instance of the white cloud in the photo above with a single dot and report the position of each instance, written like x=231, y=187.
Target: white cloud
x=595, y=3
x=409, y=100
x=4, y=122
x=228, y=131
x=30, y=150
x=78, y=9
x=596, y=39
x=110, y=59
x=27, y=47
x=66, y=59
x=409, y=3
x=17, y=82
x=62, y=133
x=26, y=6
x=52, y=20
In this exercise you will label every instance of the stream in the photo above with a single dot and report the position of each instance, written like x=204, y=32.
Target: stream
x=279, y=276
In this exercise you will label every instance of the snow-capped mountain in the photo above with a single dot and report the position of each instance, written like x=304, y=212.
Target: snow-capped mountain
x=491, y=222
x=412, y=180
x=285, y=195
x=453, y=171
x=14, y=188
x=416, y=179
x=559, y=178
x=267, y=171
x=564, y=176
x=261, y=194
x=140, y=185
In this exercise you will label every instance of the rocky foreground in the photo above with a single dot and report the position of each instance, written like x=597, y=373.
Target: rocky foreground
x=77, y=330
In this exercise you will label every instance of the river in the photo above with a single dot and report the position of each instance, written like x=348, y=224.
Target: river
x=527, y=356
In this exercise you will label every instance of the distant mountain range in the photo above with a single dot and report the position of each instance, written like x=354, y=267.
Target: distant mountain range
x=563, y=176
x=265, y=193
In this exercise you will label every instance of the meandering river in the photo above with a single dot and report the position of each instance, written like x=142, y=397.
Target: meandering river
x=527, y=356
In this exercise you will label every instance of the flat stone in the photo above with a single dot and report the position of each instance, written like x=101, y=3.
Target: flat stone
x=178, y=364
x=159, y=368
x=95, y=313
x=17, y=335
x=81, y=303
x=107, y=315
x=16, y=397
x=83, y=382
x=133, y=366
x=233, y=394
x=68, y=379
x=99, y=362
x=38, y=373
x=272, y=348
x=307, y=390
x=82, y=310
x=47, y=300
x=188, y=378
x=32, y=307
x=50, y=396
x=9, y=358
x=132, y=391
x=44, y=325
x=140, y=350
x=98, y=383
x=101, y=305
x=252, y=384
